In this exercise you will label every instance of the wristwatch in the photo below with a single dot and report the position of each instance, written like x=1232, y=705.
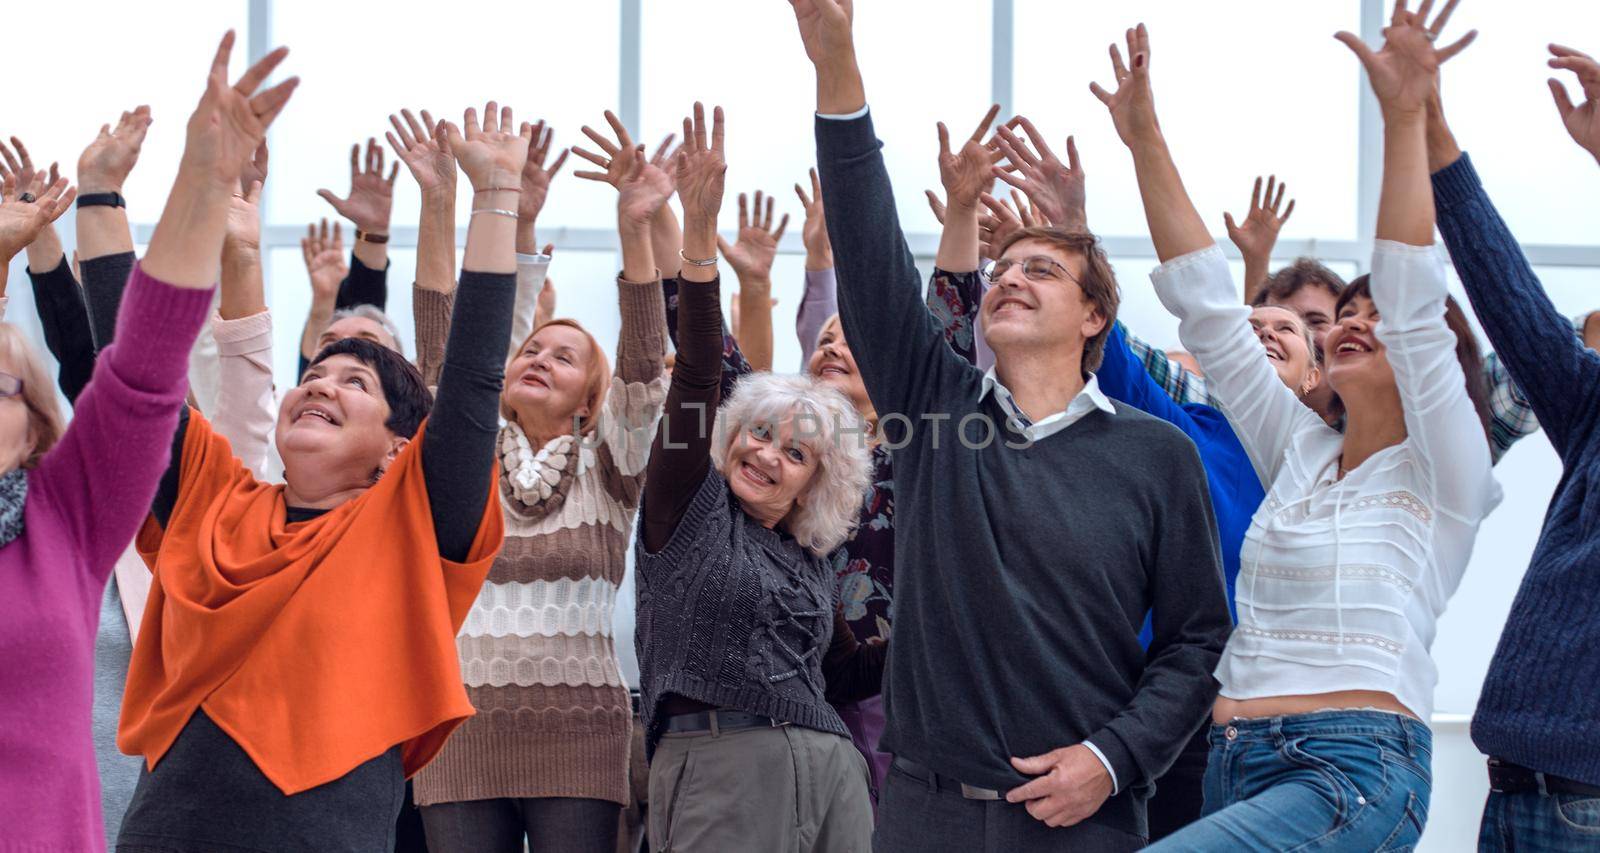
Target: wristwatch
x=366, y=237
x=108, y=199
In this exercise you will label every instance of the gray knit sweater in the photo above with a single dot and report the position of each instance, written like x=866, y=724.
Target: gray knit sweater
x=734, y=615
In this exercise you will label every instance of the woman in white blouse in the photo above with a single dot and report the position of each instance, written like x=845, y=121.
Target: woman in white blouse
x=1320, y=740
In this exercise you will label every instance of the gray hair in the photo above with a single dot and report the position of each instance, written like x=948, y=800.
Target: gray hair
x=376, y=315
x=826, y=423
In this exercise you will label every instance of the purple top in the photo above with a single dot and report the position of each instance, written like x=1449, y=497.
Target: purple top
x=85, y=502
x=819, y=302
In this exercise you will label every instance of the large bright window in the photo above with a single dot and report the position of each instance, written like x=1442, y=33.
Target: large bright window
x=1250, y=88
x=555, y=61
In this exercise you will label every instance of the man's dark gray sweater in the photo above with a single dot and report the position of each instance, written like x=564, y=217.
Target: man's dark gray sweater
x=1022, y=576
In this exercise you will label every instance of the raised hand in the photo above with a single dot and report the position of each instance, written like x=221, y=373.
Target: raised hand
x=425, y=151
x=20, y=220
x=535, y=177
x=1132, y=106
x=1404, y=73
x=814, y=233
x=752, y=254
x=1001, y=221
x=701, y=166
x=545, y=306
x=968, y=173
x=1259, y=233
x=616, y=163
x=323, y=252
x=18, y=168
x=244, y=220
x=1583, y=122
x=643, y=190
x=490, y=154
x=1055, y=188
x=231, y=121
x=371, y=197
x=104, y=166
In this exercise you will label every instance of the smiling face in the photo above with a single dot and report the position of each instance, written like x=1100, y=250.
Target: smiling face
x=365, y=328
x=1314, y=304
x=833, y=365
x=548, y=383
x=1357, y=361
x=1284, y=336
x=1049, y=309
x=769, y=469
x=336, y=420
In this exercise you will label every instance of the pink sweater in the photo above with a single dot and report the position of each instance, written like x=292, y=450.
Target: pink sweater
x=86, y=501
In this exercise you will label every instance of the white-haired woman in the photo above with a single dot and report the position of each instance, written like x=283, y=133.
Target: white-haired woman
x=740, y=643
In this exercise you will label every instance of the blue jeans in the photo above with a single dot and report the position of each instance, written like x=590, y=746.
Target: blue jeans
x=1530, y=821
x=1335, y=780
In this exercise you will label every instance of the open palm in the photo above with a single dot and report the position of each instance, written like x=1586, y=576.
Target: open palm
x=1405, y=71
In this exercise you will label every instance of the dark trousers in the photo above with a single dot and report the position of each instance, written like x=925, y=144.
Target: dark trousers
x=915, y=818
x=1531, y=822
x=555, y=824
x=1180, y=794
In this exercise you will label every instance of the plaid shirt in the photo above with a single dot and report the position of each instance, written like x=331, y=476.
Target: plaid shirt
x=1510, y=415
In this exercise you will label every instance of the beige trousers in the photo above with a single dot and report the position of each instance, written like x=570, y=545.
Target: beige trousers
x=777, y=790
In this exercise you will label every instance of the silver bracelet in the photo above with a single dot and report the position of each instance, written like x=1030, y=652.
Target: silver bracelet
x=710, y=262
x=498, y=211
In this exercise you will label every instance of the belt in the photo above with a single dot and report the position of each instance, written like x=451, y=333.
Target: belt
x=716, y=722
x=1508, y=778
x=940, y=782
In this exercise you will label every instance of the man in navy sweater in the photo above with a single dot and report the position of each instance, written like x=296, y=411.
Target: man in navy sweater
x=1036, y=523
x=1538, y=717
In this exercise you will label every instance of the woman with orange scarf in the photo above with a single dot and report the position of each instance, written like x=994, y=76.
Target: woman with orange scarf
x=297, y=659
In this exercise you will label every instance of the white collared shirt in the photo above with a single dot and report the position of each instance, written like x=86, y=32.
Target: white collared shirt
x=1087, y=400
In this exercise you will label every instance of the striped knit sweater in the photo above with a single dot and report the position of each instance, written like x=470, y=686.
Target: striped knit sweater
x=537, y=656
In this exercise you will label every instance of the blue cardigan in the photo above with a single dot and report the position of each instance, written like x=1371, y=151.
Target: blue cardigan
x=1538, y=707
x=1236, y=491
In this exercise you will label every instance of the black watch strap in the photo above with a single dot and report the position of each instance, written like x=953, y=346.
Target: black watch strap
x=111, y=199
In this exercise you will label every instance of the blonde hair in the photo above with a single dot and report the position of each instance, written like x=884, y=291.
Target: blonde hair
x=597, y=382
x=38, y=392
x=871, y=413
x=830, y=506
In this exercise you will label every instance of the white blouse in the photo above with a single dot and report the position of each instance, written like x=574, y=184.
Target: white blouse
x=1342, y=581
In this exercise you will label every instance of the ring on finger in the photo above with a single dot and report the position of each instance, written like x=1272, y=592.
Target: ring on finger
x=27, y=198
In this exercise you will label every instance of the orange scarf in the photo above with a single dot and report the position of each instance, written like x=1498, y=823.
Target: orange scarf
x=316, y=646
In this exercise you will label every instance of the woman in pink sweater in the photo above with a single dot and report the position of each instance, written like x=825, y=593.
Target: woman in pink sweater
x=69, y=506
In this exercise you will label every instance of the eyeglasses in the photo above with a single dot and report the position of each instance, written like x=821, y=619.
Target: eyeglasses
x=10, y=386
x=1035, y=268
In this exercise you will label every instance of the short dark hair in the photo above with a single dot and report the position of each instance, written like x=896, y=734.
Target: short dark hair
x=1099, y=283
x=399, y=380
x=1304, y=272
x=1467, y=352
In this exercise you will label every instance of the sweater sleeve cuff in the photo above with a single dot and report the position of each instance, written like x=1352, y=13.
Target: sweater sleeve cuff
x=1408, y=285
x=242, y=335
x=1194, y=280
x=846, y=139
x=156, y=327
x=1109, y=748
x=1457, y=183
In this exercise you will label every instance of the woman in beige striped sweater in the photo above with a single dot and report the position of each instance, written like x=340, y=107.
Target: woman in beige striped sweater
x=546, y=757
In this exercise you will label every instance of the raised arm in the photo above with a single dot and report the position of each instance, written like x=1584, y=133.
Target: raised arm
x=752, y=257
x=63, y=316
x=245, y=413
x=323, y=253
x=22, y=221
x=1408, y=280
x=680, y=456
x=967, y=175
x=1555, y=373
x=1259, y=233
x=422, y=147
x=126, y=418
x=820, y=299
x=368, y=206
x=1194, y=282
x=458, y=445
x=902, y=355
x=1583, y=121
x=533, y=260
x=105, y=242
